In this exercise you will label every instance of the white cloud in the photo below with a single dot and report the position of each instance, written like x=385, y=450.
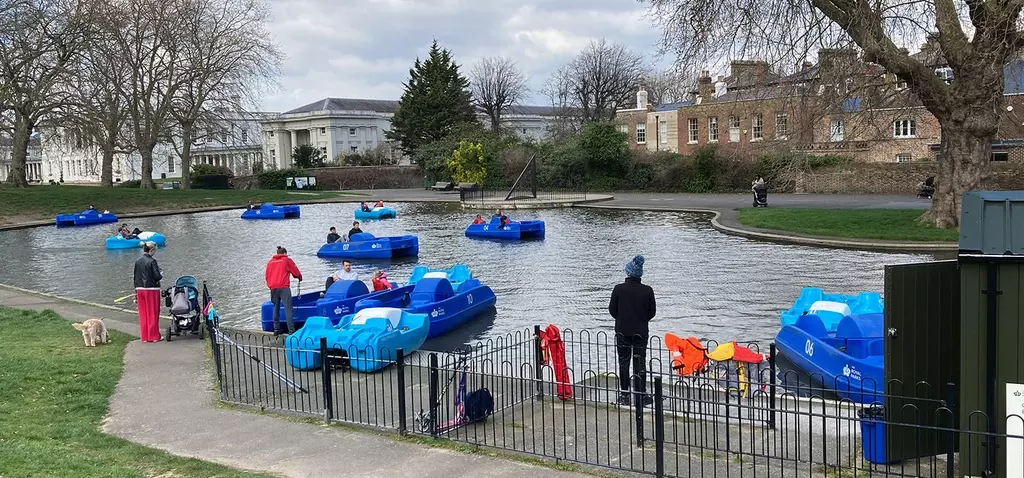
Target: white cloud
x=365, y=49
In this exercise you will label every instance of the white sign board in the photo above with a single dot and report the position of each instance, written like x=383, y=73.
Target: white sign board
x=1014, y=427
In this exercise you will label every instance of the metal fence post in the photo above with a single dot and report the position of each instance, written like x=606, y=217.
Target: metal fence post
x=638, y=407
x=211, y=333
x=538, y=362
x=771, y=386
x=659, y=430
x=432, y=394
x=402, y=426
x=325, y=375
x=951, y=394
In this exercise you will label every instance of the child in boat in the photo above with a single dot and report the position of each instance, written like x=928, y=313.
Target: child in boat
x=504, y=220
x=379, y=204
x=478, y=220
x=380, y=281
x=364, y=207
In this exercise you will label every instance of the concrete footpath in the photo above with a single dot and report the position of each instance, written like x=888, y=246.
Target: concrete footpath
x=166, y=400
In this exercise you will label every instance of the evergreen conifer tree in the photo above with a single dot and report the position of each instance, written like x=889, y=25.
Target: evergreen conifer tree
x=435, y=101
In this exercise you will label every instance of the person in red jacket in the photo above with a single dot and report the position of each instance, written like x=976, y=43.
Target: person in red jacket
x=279, y=274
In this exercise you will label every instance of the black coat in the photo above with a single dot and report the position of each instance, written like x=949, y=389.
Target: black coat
x=333, y=237
x=632, y=306
x=147, y=272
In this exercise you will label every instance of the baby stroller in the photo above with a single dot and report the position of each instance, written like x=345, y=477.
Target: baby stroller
x=760, y=195
x=927, y=188
x=186, y=311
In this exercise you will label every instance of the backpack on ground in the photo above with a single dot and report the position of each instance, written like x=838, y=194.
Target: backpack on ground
x=479, y=405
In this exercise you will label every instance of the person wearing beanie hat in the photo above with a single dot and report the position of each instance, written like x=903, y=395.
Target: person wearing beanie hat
x=632, y=306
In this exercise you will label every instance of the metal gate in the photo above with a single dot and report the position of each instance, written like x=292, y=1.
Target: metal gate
x=922, y=358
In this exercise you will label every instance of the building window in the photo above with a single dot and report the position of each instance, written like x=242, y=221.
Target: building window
x=756, y=127
x=271, y=134
x=351, y=131
x=836, y=130
x=713, y=129
x=904, y=158
x=781, y=125
x=170, y=165
x=904, y=128
x=224, y=135
x=273, y=155
x=524, y=130
x=323, y=130
x=353, y=148
x=624, y=128
x=691, y=127
x=1001, y=156
x=245, y=135
x=663, y=132
x=734, y=129
x=641, y=133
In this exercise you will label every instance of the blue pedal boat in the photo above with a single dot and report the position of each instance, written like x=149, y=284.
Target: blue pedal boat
x=448, y=308
x=270, y=211
x=514, y=230
x=848, y=361
x=458, y=274
x=830, y=307
x=365, y=246
x=337, y=301
x=367, y=340
x=85, y=218
x=119, y=242
x=376, y=213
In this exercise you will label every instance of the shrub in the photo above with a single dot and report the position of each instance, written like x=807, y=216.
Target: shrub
x=467, y=163
x=276, y=178
x=131, y=183
x=704, y=171
x=208, y=176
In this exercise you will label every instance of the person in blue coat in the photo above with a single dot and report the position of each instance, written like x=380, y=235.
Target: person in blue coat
x=632, y=306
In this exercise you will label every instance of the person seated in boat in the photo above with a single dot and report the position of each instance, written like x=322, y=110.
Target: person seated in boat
x=478, y=220
x=364, y=207
x=332, y=236
x=503, y=220
x=380, y=281
x=90, y=208
x=346, y=273
x=127, y=233
x=355, y=229
x=252, y=206
x=379, y=204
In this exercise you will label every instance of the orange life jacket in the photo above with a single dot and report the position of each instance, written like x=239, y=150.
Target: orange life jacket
x=689, y=356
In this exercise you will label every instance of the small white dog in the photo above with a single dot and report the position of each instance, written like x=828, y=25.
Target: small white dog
x=92, y=330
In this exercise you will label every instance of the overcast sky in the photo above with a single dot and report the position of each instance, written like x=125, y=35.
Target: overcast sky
x=364, y=49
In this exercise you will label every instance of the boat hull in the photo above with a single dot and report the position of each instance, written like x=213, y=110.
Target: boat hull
x=269, y=211
x=339, y=300
x=84, y=219
x=513, y=231
x=376, y=213
x=366, y=344
x=446, y=314
x=119, y=242
x=372, y=248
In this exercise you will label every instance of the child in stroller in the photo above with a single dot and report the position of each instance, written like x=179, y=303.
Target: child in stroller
x=927, y=187
x=760, y=191
x=186, y=312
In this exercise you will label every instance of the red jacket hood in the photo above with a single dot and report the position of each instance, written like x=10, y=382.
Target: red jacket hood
x=280, y=270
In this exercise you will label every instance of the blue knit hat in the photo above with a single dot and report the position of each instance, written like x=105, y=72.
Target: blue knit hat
x=635, y=267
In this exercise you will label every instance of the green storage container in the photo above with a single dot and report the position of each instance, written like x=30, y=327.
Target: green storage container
x=992, y=222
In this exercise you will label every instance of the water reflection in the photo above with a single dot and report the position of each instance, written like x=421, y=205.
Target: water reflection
x=707, y=284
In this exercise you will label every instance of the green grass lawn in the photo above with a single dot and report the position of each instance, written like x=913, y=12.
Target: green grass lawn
x=43, y=202
x=883, y=224
x=54, y=396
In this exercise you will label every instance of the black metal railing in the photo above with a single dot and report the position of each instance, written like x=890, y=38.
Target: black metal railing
x=736, y=419
x=487, y=198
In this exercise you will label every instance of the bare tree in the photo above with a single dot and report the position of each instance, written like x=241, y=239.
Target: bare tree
x=146, y=38
x=228, y=57
x=975, y=39
x=666, y=86
x=41, y=43
x=497, y=84
x=601, y=79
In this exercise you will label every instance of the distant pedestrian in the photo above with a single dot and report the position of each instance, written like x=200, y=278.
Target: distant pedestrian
x=633, y=306
x=280, y=271
x=147, y=293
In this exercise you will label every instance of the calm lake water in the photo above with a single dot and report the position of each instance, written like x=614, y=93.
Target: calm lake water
x=707, y=284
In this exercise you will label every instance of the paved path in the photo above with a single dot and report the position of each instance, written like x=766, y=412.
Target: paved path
x=166, y=400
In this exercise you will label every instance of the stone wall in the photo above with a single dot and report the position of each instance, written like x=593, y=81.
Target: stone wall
x=896, y=178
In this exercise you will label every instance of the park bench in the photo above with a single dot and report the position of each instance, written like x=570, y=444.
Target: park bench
x=466, y=187
x=442, y=186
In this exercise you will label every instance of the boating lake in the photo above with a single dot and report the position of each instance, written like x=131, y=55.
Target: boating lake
x=708, y=284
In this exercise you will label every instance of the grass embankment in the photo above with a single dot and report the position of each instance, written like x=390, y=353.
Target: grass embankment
x=880, y=224
x=43, y=202
x=54, y=396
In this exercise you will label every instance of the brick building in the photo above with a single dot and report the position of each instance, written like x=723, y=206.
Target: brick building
x=841, y=105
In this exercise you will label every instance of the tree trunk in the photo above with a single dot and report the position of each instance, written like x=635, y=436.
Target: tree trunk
x=187, y=130
x=19, y=155
x=146, y=182
x=495, y=121
x=107, y=166
x=963, y=159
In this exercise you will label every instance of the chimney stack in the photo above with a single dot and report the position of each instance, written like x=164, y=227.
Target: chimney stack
x=705, y=89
